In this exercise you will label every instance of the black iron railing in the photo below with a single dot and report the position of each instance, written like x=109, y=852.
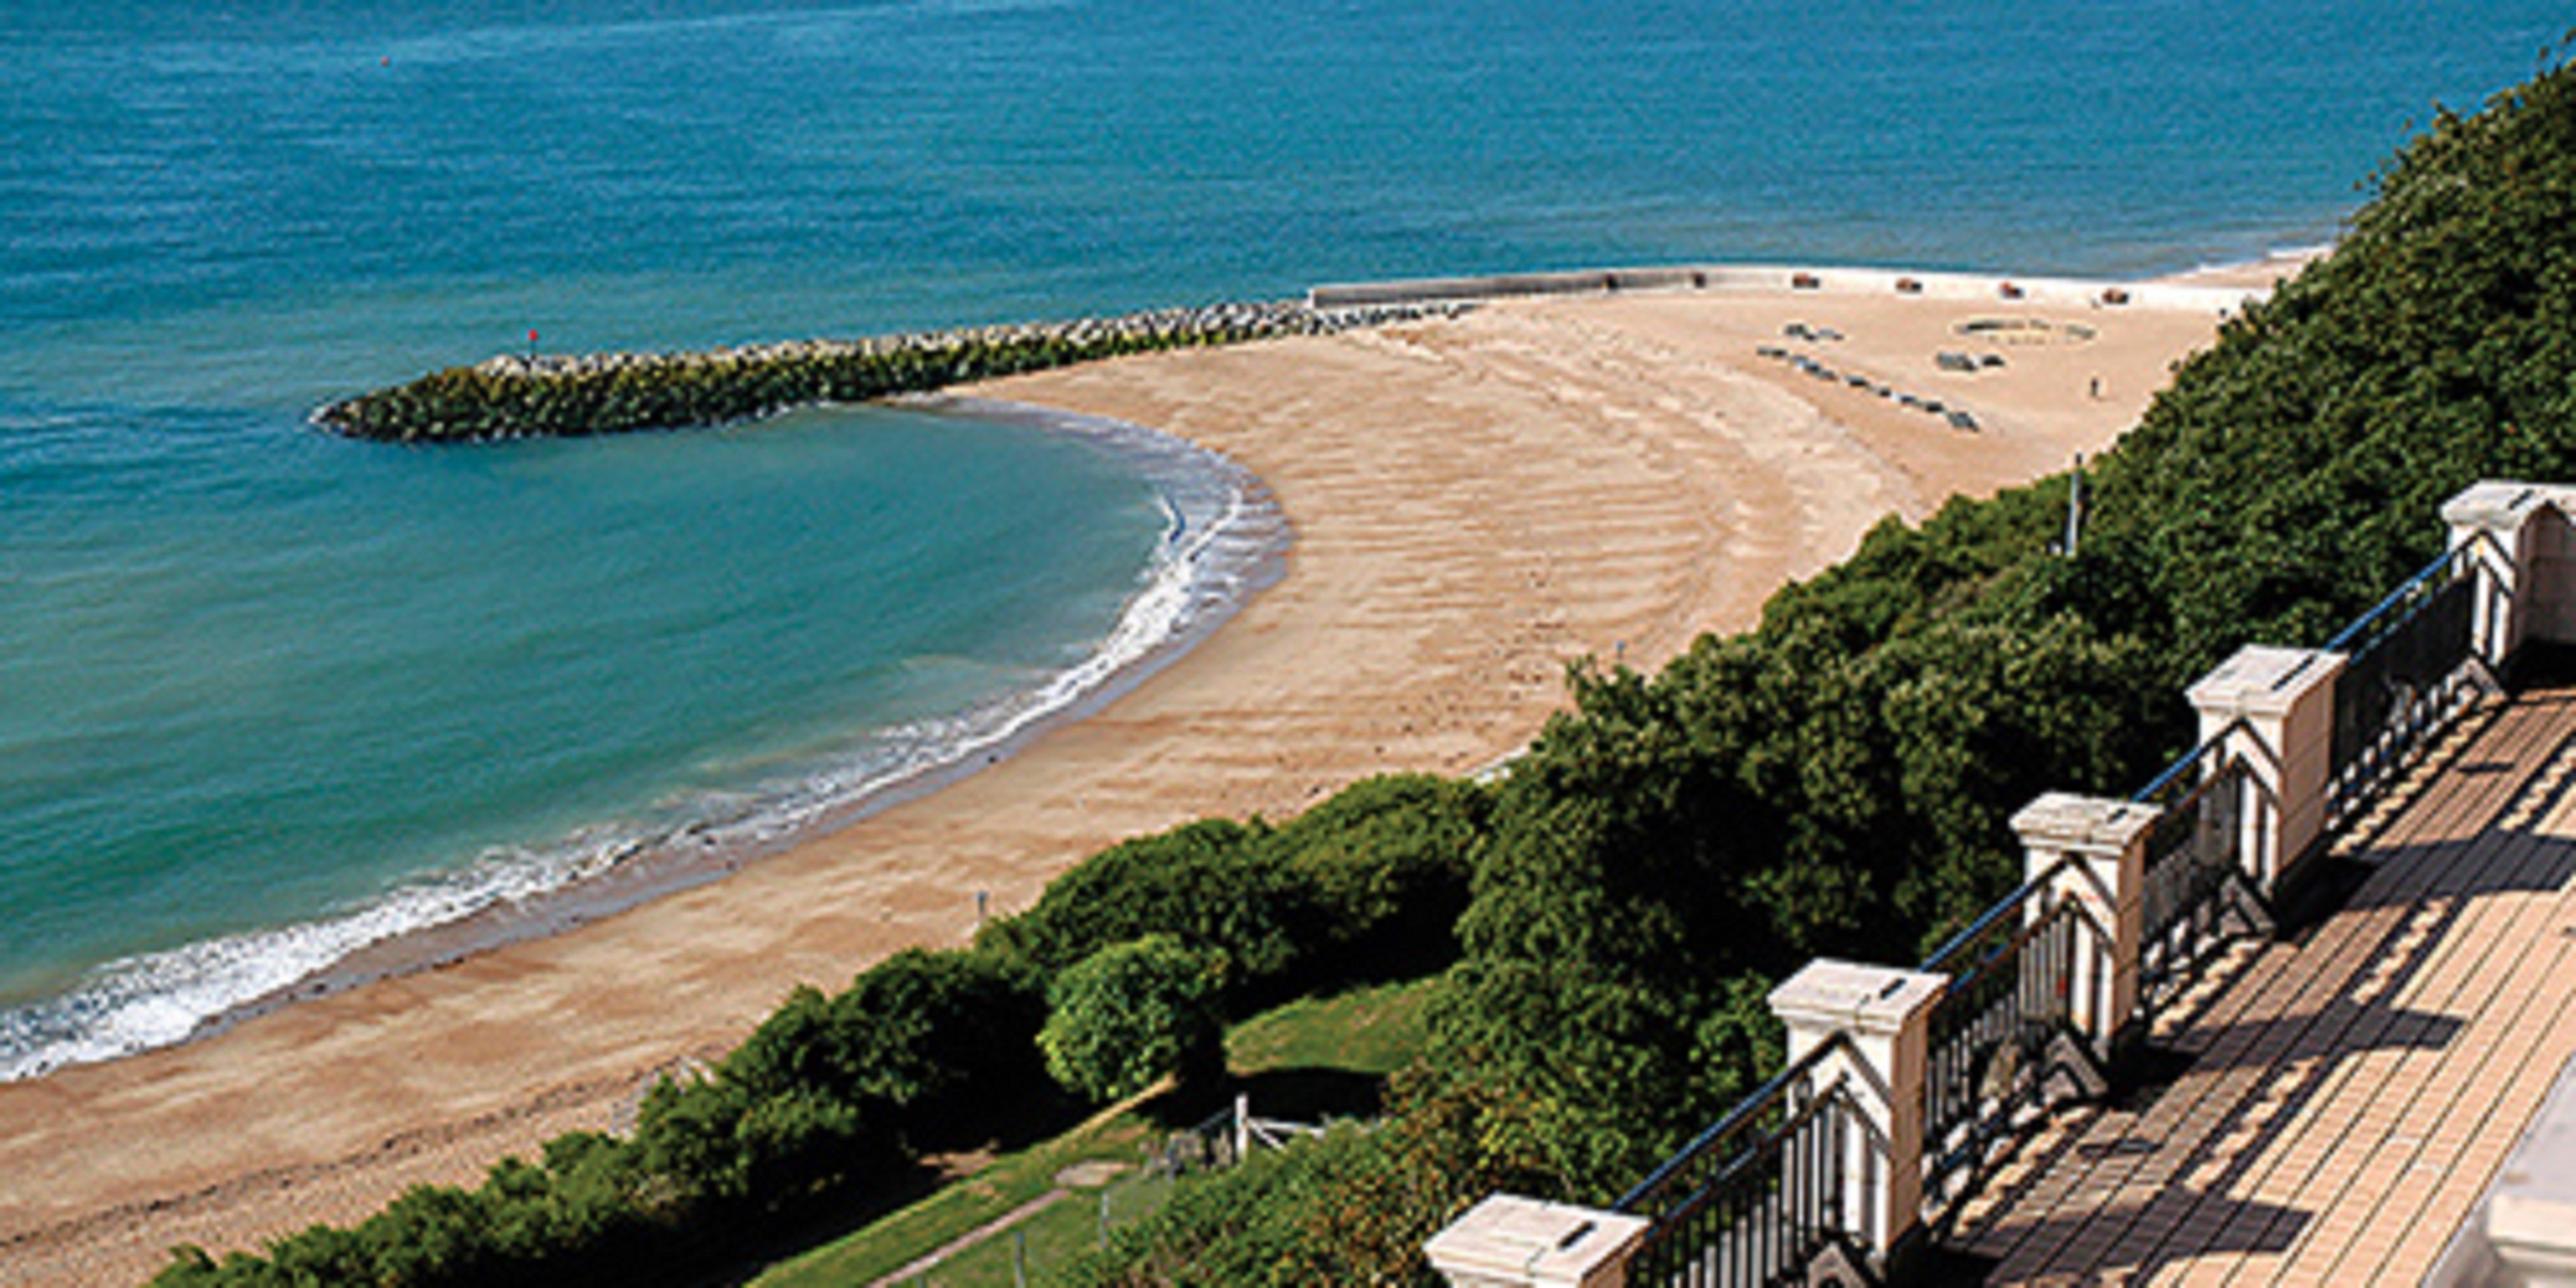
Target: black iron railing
x=2019, y=977
x=2213, y=812
x=1764, y=1193
x=2408, y=671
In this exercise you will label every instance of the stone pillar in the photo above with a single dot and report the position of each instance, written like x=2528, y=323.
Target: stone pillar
x=2497, y=511
x=1885, y=1011
x=2531, y=552
x=1508, y=1241
x=2108, y=838
x=2285, y=696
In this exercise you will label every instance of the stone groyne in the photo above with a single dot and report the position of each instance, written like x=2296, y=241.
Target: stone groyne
x=525, y=396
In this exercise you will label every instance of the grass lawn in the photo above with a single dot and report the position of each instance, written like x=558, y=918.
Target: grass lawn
x=1295, y=1061
x=1367, y=1030
x=992, y=1190
x=1054, y=1237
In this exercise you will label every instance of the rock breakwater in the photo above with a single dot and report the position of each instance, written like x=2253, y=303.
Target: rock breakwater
x=524, y=396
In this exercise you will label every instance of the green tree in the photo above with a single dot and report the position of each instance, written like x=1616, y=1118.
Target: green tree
x=1131, y=1013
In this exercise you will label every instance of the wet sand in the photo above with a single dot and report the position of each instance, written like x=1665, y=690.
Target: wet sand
x=1476, y=502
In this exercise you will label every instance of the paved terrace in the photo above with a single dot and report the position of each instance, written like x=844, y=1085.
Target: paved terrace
x=2350, y=1091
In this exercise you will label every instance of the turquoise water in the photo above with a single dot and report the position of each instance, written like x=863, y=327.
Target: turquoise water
x=314, y=677
x=266, y=695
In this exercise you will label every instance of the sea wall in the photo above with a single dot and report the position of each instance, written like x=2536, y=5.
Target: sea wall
x=528, y=395
x=2058, y=291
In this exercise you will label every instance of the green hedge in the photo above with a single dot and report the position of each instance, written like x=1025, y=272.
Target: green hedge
x=1364, y=887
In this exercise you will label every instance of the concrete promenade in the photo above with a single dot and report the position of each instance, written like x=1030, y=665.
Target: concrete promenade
x=2351, y=1090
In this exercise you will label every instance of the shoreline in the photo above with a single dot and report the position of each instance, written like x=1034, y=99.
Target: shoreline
x=1477, y=501
x=1203, y=576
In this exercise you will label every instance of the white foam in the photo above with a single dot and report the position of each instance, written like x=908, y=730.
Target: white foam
x=163, y=998
x=1220, y=537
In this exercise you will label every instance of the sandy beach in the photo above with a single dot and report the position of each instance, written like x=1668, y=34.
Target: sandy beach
x=1476, y=501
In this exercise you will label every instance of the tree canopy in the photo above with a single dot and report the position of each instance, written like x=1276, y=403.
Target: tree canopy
x=1130, y=1014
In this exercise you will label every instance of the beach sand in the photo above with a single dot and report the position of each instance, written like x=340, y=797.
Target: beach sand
x=1477, y=501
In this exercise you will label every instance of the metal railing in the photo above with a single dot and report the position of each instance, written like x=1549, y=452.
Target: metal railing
x=1766, y=1191
x=2213, y=812
x=2415, y=661
x=2020, y=977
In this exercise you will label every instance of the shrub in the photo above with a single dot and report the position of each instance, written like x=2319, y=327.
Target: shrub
x=1366, y=886
x=1204, y=883
x=1131, y=1013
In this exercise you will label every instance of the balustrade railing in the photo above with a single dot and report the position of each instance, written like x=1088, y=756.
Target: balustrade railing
x=2211, y=810
x=2409, y=670
x=2019, y=977
x=1766, y=1191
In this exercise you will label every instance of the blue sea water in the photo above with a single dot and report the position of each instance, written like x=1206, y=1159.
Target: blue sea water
x=265, y=695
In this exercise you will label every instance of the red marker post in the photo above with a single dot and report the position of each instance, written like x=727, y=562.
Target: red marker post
x=532, y=344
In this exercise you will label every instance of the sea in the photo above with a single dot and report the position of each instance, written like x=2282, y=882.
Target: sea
x=269, y=698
